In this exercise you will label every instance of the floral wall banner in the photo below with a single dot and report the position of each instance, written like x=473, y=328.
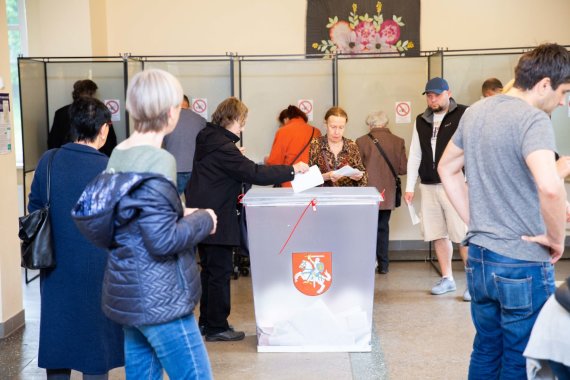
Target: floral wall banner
x=363, y=26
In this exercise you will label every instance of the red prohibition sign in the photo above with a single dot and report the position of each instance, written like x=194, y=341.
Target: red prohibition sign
x=306, y=106
x=199, y=106
x=403, y=109
x=113, y=106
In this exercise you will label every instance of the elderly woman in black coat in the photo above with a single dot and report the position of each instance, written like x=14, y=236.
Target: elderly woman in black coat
x=220, y=168
x=74, y=333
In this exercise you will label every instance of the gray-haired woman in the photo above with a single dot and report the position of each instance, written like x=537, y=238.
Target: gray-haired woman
x=380, y=175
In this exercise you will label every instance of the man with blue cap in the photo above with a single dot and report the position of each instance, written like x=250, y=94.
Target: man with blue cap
x=440, y=222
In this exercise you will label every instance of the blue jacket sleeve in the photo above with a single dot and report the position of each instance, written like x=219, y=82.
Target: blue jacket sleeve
x=164, y=234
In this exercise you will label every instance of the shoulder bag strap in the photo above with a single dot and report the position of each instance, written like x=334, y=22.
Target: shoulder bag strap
x=305, y=147
x=375, y=140
x=49, y=174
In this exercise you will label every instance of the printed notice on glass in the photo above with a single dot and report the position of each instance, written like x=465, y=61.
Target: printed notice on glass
x=5, y=127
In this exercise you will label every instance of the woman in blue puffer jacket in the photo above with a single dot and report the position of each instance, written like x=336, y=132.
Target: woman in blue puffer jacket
x=151, y=283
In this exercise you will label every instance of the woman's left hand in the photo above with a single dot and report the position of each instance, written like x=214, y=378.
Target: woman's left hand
x=357, y=177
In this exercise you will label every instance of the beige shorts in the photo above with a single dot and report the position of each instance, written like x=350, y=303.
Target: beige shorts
x=439, y=218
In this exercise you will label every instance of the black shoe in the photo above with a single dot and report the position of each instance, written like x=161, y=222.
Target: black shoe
x=225, y=336
x=383, y=271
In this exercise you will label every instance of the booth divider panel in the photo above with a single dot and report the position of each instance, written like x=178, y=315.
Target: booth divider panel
x=209, y=80
x=268, y=87
x=466, y=74
x=367, y=85
x=109, y=77
x=34, y=105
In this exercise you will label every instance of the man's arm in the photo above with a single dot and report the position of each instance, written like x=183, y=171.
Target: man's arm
x=413, y=165
x=552, y=197
x=451, y=175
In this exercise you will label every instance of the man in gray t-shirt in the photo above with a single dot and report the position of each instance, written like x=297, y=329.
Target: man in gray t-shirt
x=514, y=205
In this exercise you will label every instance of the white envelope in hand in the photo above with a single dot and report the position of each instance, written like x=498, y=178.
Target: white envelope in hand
x=308, y=180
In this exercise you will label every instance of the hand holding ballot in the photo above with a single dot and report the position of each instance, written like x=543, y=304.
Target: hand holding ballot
x=346, y=171
x=301, y=167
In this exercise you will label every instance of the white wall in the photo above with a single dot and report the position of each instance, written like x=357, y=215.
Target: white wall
x=10, y=273
x=463, y=24
x=59, y=28
x=79, y=27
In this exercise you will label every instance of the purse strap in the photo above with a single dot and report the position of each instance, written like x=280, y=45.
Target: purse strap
x=305, y=147
x=375, y=141
x=49, y=174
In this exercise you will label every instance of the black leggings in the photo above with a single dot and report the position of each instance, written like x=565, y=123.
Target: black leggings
x=65, y=374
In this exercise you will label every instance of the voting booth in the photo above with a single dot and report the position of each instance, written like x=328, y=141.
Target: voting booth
x=313, y=259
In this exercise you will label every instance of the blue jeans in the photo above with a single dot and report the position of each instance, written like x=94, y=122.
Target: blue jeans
x=506, y=296
x=182, y=179
x=176, y=346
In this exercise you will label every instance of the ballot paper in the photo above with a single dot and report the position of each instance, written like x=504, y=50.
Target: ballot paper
x=346, y=171
x=413, y=215
x=308, y=180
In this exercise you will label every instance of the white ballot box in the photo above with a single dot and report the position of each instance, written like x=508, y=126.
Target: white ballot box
x=313, y=256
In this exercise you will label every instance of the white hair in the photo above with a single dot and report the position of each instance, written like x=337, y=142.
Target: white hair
x=377, y=119
x=150, y=96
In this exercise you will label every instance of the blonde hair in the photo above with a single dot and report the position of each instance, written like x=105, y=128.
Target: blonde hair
x=377, y=119
x=336, y=111
x=230, y=110
x=150, y=96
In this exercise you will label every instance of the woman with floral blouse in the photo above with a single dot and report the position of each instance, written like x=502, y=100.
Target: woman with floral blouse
x=333, y=151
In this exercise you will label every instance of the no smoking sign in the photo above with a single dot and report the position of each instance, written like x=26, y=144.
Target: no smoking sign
x=403, y=112
x=306, y=105
x=200, y=106
x=114, y=106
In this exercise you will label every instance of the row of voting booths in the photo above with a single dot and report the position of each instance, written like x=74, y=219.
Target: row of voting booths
x=312, y=253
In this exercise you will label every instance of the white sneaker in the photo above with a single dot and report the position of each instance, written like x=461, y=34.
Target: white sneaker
x=444, y=285
x=466, y=295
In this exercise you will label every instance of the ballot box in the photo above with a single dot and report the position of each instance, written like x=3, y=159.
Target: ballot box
x=313, y=259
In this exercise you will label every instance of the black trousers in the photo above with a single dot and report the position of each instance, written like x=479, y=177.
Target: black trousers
x=215, y=304
x=383, y=238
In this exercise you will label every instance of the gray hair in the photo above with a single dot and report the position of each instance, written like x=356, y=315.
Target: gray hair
x=377, y=119
x=150, y=96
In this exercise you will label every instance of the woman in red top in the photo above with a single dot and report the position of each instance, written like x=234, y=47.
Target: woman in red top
x=291, y=143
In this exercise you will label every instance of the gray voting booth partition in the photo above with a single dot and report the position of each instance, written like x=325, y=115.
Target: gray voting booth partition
x=268, y=84
x=46, y=85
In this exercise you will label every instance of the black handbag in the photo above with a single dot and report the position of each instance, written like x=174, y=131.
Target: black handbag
x=35, y=232
x=398, y=181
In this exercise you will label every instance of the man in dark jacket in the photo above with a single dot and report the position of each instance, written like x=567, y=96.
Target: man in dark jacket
x=59, y=133
x=219, y=170
x=440, y=222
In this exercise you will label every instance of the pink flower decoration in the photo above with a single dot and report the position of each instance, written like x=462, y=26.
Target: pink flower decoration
x=365, y=33
x=390, y=31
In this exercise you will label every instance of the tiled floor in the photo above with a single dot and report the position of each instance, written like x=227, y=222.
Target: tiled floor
x=416, y=336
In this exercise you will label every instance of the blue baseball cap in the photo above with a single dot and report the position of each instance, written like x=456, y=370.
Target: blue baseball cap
x=436, y=85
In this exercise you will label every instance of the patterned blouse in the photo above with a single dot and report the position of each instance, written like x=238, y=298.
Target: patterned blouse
x=321, y=155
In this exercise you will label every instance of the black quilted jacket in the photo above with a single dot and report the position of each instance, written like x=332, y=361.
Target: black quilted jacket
x=151, y=275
